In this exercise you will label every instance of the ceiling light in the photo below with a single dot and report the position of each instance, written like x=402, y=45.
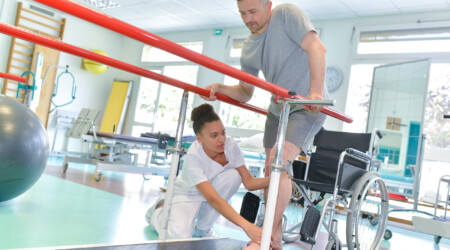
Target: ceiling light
x=102, y=4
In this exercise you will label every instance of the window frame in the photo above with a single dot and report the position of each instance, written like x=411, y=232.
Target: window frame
x=382, y=57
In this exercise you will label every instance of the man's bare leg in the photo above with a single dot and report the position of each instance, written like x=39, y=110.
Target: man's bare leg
x=290, y=153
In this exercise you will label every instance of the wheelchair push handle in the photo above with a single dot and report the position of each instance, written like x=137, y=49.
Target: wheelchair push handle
x=379, y=134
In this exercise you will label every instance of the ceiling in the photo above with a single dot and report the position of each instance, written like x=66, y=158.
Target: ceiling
x=177, y=15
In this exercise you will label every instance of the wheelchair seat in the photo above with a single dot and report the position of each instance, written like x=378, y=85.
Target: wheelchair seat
x=322, y=168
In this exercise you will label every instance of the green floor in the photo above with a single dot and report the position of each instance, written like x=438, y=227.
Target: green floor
x=57, y=212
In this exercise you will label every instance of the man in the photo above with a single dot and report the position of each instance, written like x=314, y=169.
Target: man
x=285, y=47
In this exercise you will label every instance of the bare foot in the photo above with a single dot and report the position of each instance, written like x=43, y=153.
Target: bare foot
x=251, y=246
x=277, y=245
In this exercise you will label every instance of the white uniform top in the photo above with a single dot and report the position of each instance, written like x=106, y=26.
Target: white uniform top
x=199, y=167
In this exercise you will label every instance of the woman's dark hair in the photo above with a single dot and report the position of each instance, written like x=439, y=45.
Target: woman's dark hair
x=201, y=115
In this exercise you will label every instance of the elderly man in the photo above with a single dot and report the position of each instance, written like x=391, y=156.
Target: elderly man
x=285, y=47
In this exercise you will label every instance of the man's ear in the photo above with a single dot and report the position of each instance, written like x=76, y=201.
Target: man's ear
x=269, y=6
x=199, y=138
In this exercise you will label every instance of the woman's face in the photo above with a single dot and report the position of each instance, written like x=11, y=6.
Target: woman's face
x=212, y=136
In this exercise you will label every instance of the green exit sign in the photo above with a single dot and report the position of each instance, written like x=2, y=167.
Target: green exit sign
x=218, y=32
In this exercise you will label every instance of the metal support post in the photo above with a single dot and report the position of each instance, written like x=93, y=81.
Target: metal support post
x=176, y=153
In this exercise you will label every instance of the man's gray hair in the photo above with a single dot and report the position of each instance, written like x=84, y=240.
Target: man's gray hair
x=261, y=1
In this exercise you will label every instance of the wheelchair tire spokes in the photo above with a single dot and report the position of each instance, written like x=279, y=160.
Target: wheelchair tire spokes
x=369, y=207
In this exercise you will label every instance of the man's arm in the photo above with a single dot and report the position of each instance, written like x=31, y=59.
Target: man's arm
x=242, y=92
x=317, y=64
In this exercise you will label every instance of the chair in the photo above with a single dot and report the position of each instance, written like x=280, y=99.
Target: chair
x=340, y=164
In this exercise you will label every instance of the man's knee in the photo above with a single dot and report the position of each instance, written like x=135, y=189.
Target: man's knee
x=291, y=151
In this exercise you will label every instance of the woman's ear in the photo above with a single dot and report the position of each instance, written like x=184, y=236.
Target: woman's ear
x=199, y=138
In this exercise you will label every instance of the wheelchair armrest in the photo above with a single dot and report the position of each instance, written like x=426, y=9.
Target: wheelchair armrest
x=358, y=154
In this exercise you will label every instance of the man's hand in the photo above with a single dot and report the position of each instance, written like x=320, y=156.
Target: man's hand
x=314, y=108
x=214, y=88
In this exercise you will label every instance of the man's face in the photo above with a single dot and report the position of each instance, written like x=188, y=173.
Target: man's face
x=255, y=14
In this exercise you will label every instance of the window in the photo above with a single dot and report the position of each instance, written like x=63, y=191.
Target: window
x=436, y=127
x=236, y=47
x=158, y=104
x=152, y=54
x=237, y=117
x=433, y=43
x=359, y=88
x=424, y=40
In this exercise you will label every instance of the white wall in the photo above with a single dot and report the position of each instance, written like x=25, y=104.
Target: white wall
x=92, y=90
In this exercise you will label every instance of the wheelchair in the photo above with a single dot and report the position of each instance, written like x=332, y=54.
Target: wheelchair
x=340, y=166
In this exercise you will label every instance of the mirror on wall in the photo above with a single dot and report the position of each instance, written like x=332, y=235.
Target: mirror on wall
x=397, y=105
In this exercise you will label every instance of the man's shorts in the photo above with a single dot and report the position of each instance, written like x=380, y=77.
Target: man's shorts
x=301, y=128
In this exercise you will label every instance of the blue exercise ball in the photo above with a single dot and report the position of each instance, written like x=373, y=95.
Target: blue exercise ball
x=24, y=148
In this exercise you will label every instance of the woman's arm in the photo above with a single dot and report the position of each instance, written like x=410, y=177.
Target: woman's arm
x=227, y=211
x=251, y=183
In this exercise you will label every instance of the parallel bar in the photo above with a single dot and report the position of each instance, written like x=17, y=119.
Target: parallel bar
x=126, y=29
x=65, y=47
x=13, y=77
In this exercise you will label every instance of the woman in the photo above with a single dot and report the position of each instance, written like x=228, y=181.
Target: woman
x=213, y=170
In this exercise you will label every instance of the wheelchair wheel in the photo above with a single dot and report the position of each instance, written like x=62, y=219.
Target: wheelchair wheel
x=367, y=220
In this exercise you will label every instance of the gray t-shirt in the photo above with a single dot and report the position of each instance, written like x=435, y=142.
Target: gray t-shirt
x=277, y=53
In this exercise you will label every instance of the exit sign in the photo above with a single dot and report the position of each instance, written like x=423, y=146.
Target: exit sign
x=218, y=32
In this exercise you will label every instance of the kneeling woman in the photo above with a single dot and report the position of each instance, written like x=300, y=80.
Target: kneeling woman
x=213, y=170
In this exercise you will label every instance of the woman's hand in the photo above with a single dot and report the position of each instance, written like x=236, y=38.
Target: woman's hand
x=253, y=232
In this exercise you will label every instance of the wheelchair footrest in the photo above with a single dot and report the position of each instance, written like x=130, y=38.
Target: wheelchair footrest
x=249, y=207
x=310, y=225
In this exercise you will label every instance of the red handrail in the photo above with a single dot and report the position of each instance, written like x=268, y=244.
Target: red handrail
x=13, y=77
x=129, y=30
x=71, y=49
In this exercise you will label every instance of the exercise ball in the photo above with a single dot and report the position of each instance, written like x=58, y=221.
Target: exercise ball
x=95, y=67
x=24, y=148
